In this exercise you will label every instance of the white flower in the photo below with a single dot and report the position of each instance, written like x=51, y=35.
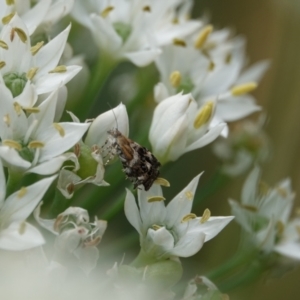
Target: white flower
x=179, y=126
x=15, y=232
x=133, y=30
x=171, y=230
x=31, y=70
x=77, y=237
x=43, y=13
x=263, y=216
x=35, y=143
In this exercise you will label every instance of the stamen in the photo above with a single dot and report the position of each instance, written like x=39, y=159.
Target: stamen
x=155, y=227
x=162, y=182
x=179, y=42
x=31, y=110
x=189, y=195
x=57, y=222
x=106, y=11
x=242, y=89
x=60, y=129
x=12, y=144
x=211, y=66
x=228, y=58
x=77, y=150
x=93, y=242
x=10, y=2
x=249, y=207
x=6, y=119
x=35, y=49
x=205, y=217
x=22, y=228
x=204, y=114
x=3, y=45
x=17, y=108
x=22, y=192
x=21, y=34
x=6, y=19
x=188, y=217
x=147, y=8
x=70, y=188
x=31, y=73
x=2, y=64
x=59, y=69
x=36, y=144
x=175, y=79
x=203, y=35
x=155, y=199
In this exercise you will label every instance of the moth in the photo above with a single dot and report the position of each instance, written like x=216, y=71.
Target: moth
x=139, y=164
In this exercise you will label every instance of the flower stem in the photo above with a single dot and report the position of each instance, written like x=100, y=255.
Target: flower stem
x=59, y=204
x=14, y=181
x=143, y=260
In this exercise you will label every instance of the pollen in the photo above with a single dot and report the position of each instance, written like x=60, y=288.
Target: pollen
x=205, y=217
x=155, y=199
x=155, y=227
x=17, y=108
x=36, y=144
x=6, y=119
x=6, y=19
x=35, y=49
x=203, y=35
x=106, y=11
x=244, y=88
x=60, y=129
x=59, y=69
x=2, y=64
x=188, y=217
x=189, y=195
x=3, y=45
x=31, y=73
x=175, y=79
x=162, y=182
x=22, y=228
x=21, y=34
x=12, y=144
x=179, y=42
x=204, y=114
x=22, y=192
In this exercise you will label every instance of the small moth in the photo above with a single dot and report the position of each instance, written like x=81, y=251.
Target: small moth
x=139, y=164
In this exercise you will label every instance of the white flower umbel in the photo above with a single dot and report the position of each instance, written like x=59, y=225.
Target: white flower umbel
x=35, y=143
x=77, y=238
x=43, y=13
x=263, y=213
x=134, y=30
x=172, y=230
x=32, y=69
x=179, y=126
x=15, y=233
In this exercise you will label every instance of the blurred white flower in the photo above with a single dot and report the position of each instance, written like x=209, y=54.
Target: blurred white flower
x=263, y=213
x=133, y=30
x=31, y=70
x=35, y=143
x=15, y=233
x=77, y=238
x=172, y=230
x=179, y=126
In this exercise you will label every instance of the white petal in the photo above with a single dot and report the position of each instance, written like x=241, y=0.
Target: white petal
x=88, y=257
x=132, y=212
x=58, y=10
x=28, y=97
x=45, y=223
x=160, y=92
x=2, y=185
x=143, y=58
x=11, y=157
x=250, y=186
x=13, y=238
x=289, y=249
x=254, y=73
x=162, y=239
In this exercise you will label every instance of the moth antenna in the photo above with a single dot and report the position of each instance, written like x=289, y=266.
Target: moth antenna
x=113, y=114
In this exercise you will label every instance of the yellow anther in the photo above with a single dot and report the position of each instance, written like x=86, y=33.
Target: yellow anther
x=179, y=42
x=188, y=217
x=17, y=108
x=206, y=216
x=280, y=228
x=60, y=129
x=211, y=66
x=36, y=144
x=59, y=69
x=203, y=35
x=22, y=192
x=228, y=58
x=175, y=21
x=155, y=199
x=189, y=195
x=12, y=144
x=242, y=89
x=162, y=182
x=250, y=208
x=6, y=119
x=147, y=8
x=31, y=73
x=10, y=2
x=6, y=19
x=22, y=228
x=2, y=64
x=35, y=49
x=3, y=45
x=204, y=115
x=106, y=11
x=155, y=227
x=282, y=192
x=175, y=79
x=32, y=110
x=21, y=34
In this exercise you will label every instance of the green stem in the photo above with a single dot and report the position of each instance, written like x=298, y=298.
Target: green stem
x=14, y=181
x=59, y=204
x=143, y=260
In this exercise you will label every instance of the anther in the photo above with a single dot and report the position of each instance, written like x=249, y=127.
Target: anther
x=189, y=195
x=206, y=216
x=31, y=73
x=59, y=69
x=12, y=144
x=155, y=199
x=6, y=19
x=35, y=49
x=36, y=144
x=242, y=89
x=188, y=217
x=204, y=114
x=2, y=64
x=21, y=34
x=162, y=182
x=22, y=192
x=179, y=42
x=106, y=11
x=175, y=79
x=60, y=129
x=202, y=37
x=3, y=45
